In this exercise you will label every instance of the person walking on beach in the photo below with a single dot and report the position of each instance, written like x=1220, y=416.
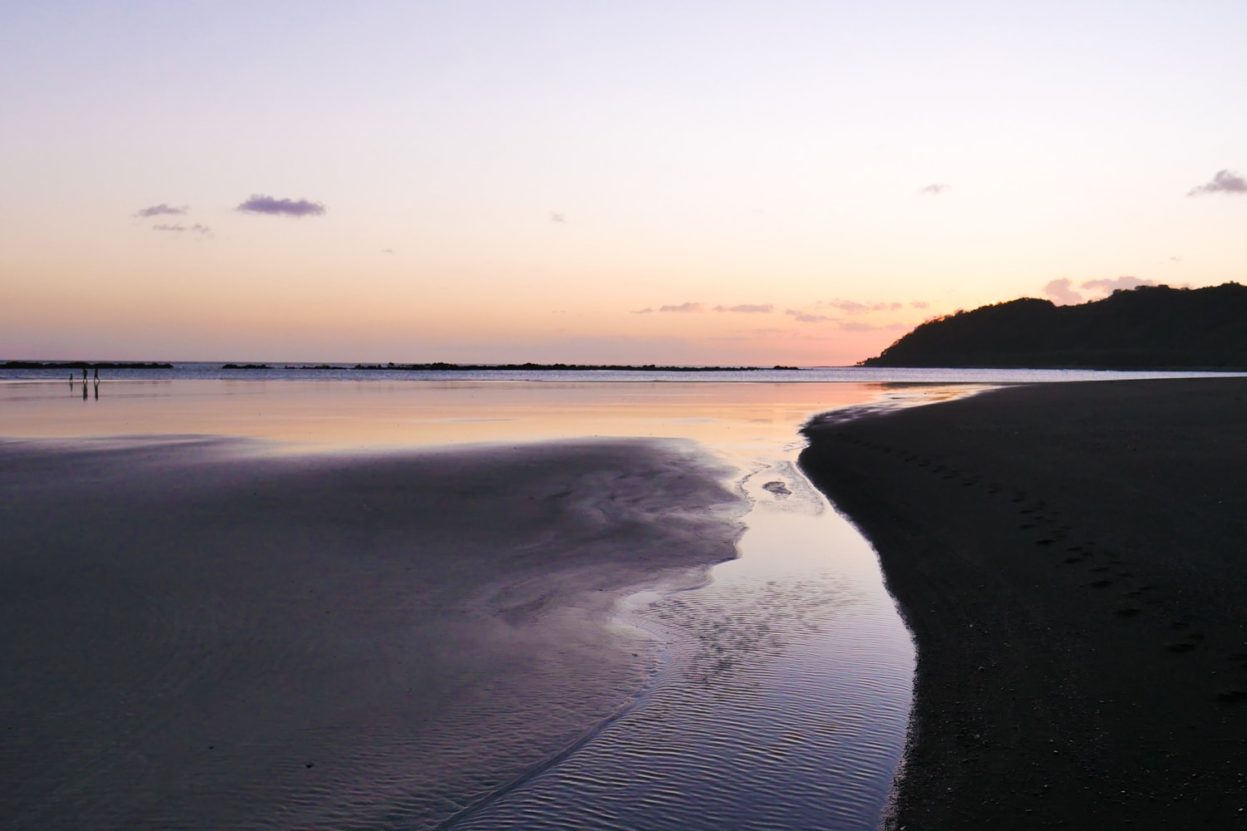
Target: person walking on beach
x=96, y=372
x=84, y=375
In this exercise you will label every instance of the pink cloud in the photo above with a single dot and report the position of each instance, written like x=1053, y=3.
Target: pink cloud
x=1062, y=292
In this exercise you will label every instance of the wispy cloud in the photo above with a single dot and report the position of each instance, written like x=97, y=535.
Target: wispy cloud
x=1062, y=291
x=558, y=218
x=161, y=210
x=682, y=308
x=919, y=304
x=806, y=317
x=387, y=250
x=852, y=307
x=183, y=229
x=747, y=308
x=261, y=204
x=934, y=189
x=1125, y=283
x=859, y=326
x=1223, y=181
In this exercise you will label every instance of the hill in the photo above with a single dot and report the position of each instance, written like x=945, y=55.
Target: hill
x=1150, y=327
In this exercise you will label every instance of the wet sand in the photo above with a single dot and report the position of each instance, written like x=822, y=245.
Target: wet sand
x=198, y=634
x=1072, y=561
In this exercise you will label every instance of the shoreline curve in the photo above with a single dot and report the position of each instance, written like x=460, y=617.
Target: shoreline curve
x=1069, y=560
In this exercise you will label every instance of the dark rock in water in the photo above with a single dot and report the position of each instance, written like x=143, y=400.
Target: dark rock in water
x=85, y=365
x=245, y=366
x=777, y=488
x=442, y=366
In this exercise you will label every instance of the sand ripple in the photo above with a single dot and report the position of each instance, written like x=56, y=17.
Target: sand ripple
x=422, y=642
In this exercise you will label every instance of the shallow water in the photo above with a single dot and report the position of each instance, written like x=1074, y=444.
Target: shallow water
x=346, y=415
x=280, y=371
x=782, y=687
x=782, y=702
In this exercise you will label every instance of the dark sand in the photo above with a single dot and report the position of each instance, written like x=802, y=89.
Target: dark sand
x=196, y=636
x=1072, y=561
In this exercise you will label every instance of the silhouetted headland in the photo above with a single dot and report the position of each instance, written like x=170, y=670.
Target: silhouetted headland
x=1069, y=558
x=1150, y=327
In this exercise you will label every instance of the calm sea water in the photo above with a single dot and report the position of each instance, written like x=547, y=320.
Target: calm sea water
x=783, y=693
x=202, y=370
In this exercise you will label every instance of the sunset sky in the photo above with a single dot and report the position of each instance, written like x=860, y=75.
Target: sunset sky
x=695, y=182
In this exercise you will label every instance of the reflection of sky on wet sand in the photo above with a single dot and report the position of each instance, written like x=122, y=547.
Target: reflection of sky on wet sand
x=345, y=414
x=785, y=691
x=782, y=702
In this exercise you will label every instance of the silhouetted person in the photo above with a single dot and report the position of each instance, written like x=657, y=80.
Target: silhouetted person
x=71, y=380
x=84, y=376
x=97, y=374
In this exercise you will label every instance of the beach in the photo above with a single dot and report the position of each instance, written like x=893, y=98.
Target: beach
x=467, y=604
x=461, y=603
x=201, y=633
x=1071, y=561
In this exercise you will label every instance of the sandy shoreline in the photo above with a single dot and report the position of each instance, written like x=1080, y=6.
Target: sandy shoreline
x=1071, y=560
x=196, y=636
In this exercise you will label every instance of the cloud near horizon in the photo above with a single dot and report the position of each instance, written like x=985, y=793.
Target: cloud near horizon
x=261, y=204
x=1062, y=292
x=1124, y=283
x=695, y=308
x=179, y=228
x=852, y=307
x=161, y=210
x=933, y=189
x=1223, y=181
x=860, y=326
x=807, y=317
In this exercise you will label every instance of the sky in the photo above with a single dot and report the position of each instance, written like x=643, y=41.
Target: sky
x=645, y=182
